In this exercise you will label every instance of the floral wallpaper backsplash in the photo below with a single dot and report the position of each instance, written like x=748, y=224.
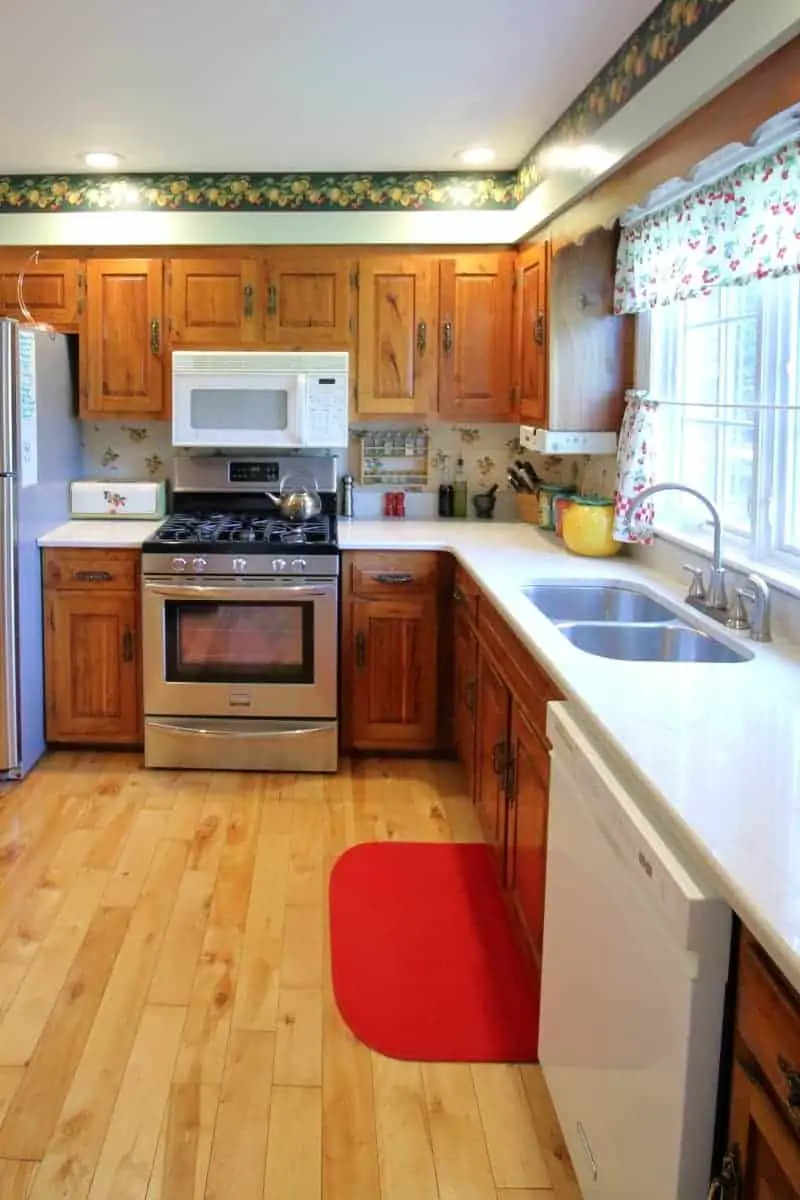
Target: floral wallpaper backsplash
x=487, y=451
x=138, y=451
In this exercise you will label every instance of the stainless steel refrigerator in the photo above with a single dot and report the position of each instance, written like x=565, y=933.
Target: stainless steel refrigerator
x=39, y=454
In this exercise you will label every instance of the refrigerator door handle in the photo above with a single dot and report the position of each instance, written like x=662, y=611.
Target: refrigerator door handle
x=9, y=706
x=8, y=382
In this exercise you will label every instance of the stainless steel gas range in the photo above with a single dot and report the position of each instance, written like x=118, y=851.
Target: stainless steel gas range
x=240, y=621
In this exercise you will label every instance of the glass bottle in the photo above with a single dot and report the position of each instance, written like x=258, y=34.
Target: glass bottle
x=446, y=491
x=460, y=489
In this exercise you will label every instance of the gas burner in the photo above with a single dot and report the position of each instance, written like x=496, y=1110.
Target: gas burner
x=256, y=531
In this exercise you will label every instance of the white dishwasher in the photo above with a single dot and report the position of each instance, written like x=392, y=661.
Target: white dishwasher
x=635, y=963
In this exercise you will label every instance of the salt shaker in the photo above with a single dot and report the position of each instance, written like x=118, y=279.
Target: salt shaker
x=347, y=495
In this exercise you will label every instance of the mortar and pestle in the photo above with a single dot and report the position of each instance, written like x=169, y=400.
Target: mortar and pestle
x=484, y=502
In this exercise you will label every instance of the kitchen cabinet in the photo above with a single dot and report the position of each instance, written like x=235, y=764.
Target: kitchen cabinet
x=465, y=695
x=573, y=356
x=491, y=757
x=214, y=302
x=122, y=368
x=475, y=337
x=310, y=300
x=762, y=1161
x=508, y=757
x=52, y=289
x=91, y=647
x=398, y=318
x=390, y=647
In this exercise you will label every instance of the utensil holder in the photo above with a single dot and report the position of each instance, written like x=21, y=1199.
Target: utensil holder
x=527, y=507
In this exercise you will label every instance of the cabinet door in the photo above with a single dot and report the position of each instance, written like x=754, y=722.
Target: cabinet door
x=394, y=674
x=767, y=1151
x=491, y=756
x=466, y=695
x=214, y=302
x=397, y=336
x=91, y=667
x=51, y=290
x=122, y=367
x=532, y=334
x=475, y=342
x=528, y=825
x=309, y=300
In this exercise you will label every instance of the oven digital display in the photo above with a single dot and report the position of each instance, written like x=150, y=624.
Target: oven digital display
x=253, y=472
x=239, y=643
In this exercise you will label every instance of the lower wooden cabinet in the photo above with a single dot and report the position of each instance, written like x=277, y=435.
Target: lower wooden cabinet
x=92, y=672
x=491, y=748
x=529, y=768
x=762, y=1161
x=465, y=694
x=390, y=643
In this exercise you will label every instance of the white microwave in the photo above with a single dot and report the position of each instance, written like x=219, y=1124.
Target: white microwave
x=249, y=399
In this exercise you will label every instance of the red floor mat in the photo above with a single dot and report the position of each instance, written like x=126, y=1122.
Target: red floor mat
x=426, y=962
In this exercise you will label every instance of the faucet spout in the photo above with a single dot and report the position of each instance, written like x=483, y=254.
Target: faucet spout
x=717, y=597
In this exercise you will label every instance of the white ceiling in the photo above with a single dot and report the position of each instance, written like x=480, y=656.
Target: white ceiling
x=274, y=85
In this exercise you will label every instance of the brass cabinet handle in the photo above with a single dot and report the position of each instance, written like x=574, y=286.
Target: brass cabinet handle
x=127, y=646
x=792, y=1078
x=447, y=337
x=361, y=650
x=155, y=337
x=538, y=328
x=458, y=594
x=394, y=577
x=93, y=576
x=469, y=696
x=499, y=758
x=248, y=300
x=272, y=300
x=728, y=1184
x=422, y=337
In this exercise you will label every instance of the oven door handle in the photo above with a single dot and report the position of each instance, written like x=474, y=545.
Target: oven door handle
x=251, y=591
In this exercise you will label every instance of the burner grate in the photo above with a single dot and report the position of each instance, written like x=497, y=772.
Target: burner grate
x=239, y=528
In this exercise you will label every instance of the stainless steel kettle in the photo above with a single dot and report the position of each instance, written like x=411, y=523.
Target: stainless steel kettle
x=298, y=502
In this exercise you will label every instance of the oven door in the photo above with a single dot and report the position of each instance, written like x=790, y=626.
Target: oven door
x=245, y=648
x=237, y=410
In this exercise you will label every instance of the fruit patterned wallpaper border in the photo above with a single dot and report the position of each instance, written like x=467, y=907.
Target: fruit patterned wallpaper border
x=671, y=27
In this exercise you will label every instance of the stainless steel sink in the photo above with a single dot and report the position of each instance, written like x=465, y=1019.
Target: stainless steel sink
x=595, y=602
x=651, y=643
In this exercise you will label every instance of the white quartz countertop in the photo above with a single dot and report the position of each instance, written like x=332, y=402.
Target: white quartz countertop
x=101, y=534
x=711, y=751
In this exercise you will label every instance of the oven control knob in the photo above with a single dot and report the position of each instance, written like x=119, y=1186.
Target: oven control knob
x=299, y=564
x=239, y=564
x=179, y=564
x=279, y=564
x=199, y=564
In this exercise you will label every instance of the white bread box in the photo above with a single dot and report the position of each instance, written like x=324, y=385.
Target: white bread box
x=115, y=498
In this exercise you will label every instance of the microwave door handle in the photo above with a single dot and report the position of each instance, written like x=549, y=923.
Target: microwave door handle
x=300, y=414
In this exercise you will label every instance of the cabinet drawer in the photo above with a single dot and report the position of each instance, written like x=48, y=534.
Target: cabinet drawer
x=465, y=594
x=530, y=684
x=768, y=1021
x=92, y=570
x=393, y=575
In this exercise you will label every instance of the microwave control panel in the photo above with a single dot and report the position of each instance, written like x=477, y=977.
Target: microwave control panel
x=326, y=410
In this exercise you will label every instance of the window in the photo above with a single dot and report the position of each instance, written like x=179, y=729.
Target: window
x=726, y=365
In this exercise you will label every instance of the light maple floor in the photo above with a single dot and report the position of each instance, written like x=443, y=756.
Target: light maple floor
x=167, y=1027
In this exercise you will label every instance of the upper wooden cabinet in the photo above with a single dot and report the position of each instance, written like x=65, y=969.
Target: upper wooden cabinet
x=52, y=290
x=531, y=333
x=121, y=350
x=475, y=337
x=573, y=357
x=309, y=300
x=397, y=336
x=214, y=301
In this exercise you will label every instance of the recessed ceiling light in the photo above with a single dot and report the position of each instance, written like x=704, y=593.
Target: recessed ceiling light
x=476, y=156
x=102, y=160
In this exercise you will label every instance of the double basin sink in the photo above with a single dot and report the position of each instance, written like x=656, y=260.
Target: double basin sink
x=621, y=621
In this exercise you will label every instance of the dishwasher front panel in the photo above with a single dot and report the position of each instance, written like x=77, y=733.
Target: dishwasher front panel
x=631, y=1017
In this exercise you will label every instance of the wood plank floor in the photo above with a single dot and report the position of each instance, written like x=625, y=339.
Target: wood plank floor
x=167, y=1026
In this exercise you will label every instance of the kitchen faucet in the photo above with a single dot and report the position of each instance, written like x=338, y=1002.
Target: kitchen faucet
x=714, y=600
